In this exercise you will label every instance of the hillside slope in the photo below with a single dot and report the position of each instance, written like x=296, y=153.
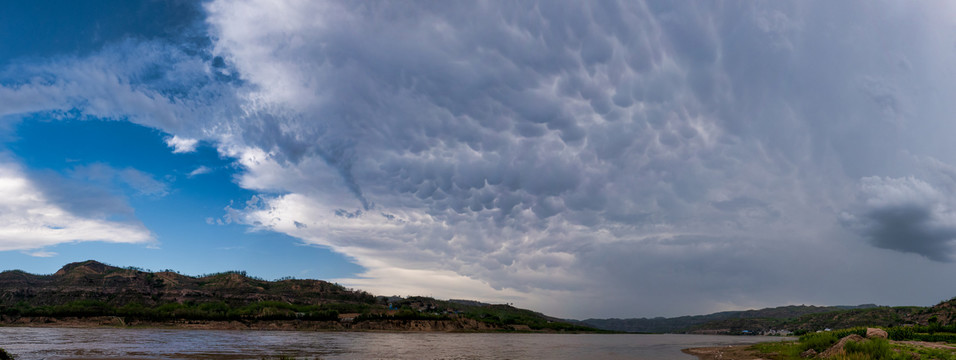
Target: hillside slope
x=91, y=280
x=91, y=292
x=690, y=323
x=788, y=319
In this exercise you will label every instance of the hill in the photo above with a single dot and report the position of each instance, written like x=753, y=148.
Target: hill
x=94, y=281
x=689, y=323
x=93, y=293
x=788, y=319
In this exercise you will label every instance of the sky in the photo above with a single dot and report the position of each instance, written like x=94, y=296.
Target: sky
x=583, y=159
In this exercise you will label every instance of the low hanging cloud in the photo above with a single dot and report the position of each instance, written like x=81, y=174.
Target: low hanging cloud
x=907, y=215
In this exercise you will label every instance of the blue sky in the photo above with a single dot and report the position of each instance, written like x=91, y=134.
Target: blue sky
x=63, y=147
x=182, y=208
x=595, y=159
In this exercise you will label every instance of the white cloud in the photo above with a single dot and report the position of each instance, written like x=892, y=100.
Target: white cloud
x=41, y=253
x=150, y=83
x=28, y=220
x=140, y=182
x=182, y=145
x=199, y=171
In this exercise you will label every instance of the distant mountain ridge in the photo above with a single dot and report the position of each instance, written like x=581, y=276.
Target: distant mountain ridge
x=786, y=319
x=688, y=323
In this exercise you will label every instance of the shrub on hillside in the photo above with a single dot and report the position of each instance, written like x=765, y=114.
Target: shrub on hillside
x=818, y=341
x=873, y=349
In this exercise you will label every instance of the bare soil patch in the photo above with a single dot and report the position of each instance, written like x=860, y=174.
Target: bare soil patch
x=734, y=352
x=931, y=345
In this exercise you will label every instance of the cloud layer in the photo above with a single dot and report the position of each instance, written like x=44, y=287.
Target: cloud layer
x=907, y=215
x=642, y=158
x=29, y=219
x=662, y=149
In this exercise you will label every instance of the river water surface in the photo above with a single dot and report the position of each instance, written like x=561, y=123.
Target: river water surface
x=28, y=343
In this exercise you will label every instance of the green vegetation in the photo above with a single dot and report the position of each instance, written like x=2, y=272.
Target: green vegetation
x=261, y=310
x=781, y=350
x=934, y=332
x=404, y=314
x=868, y=349
x=882, y=316
x=507, y=315
x=4, y=355
x=797, y=319
x=502, y=315
x=872, y=349
x=927, y=353
x=137, y=297
x=819, y=342
x=732, y=322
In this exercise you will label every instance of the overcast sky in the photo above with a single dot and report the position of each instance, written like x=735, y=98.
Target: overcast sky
x=583, y=159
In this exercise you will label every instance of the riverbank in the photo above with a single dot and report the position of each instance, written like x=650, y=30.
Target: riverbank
x=451, y=325
x=735, y=352
x=822, y=346
x=35, y=343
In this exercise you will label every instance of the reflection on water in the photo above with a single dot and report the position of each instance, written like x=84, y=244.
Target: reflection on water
x=27, y=343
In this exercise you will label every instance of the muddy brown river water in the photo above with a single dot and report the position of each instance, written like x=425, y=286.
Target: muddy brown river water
x=28, y=343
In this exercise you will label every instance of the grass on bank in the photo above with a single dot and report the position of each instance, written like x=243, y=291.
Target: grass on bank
x=498, y=315
x=869, y=349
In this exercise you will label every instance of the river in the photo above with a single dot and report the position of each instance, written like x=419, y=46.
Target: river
x=29, y=343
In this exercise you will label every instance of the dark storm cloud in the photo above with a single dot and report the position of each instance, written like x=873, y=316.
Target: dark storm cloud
x=911, y=229
x=907, y=215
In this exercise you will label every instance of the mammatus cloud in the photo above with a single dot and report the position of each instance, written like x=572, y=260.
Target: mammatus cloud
x=524, y=149
x=671, y=157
